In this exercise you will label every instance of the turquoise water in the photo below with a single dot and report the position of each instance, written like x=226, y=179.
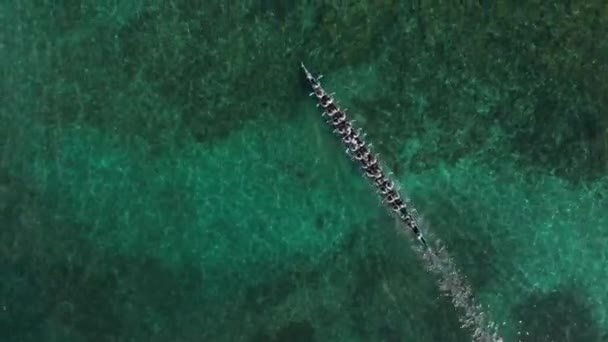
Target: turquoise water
x=165, y=177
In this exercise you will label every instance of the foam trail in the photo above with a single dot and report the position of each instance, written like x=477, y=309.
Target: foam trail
x=453, y=284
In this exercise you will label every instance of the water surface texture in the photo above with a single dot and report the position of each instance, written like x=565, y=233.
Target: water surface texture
x=165, y=177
